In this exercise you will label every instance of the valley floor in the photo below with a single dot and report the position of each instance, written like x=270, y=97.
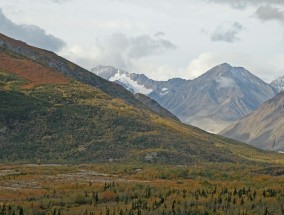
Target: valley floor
x=141, y=189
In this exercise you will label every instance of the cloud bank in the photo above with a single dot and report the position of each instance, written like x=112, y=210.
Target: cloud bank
x=121, y=50
x=30, y=34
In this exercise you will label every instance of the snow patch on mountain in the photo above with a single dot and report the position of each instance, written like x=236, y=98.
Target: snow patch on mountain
x=164, y=91
x=130, y=84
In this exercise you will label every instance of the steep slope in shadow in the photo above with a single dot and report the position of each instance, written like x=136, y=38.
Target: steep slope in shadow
x=264, y=128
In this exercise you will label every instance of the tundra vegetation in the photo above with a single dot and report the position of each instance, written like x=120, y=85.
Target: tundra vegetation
x=108, y=189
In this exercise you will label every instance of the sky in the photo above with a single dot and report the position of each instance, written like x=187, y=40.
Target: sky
x=162, y=39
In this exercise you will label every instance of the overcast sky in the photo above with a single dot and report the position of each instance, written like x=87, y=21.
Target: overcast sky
x=160, y=38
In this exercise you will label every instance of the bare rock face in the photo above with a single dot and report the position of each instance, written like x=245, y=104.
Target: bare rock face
x=263, y=128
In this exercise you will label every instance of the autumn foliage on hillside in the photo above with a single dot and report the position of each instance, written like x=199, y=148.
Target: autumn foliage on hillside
x=130, y=190
x=35, y=73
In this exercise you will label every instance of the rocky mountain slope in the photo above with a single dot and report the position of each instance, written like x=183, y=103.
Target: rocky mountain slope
x=51, y=110
x=264, y=128
x=278, y=84
x=212, y=101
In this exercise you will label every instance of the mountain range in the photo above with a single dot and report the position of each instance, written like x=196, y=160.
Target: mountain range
x=213, y=101
x=52, y=110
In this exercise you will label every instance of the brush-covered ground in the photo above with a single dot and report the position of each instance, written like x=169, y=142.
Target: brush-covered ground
x=141, y=189
x=77, y=123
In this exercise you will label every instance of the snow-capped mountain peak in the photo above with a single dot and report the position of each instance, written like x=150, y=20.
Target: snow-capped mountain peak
x=122, y=77
x=278, y=84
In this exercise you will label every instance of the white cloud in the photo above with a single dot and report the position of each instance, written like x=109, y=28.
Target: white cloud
x=153, y=70
x=277, y=63
x=225, y=82
x=196, y=67
x=81, y=56
x=202, y=63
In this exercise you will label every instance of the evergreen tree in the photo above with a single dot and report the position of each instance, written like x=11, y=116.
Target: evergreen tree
x=21, y=211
